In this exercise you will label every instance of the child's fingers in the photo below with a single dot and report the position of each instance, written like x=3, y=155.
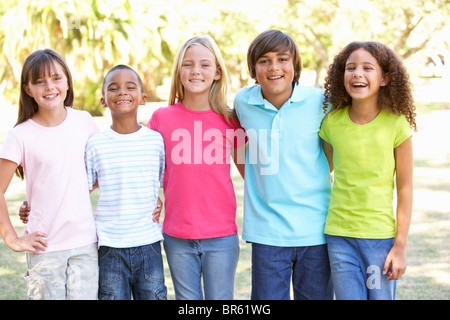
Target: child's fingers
x=387, y=264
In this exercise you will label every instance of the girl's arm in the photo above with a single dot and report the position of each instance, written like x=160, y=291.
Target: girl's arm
x=30, y=242
x=157, y=213
x=404, y=179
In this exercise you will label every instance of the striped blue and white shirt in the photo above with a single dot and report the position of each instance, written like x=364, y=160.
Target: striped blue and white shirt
x=129, y=169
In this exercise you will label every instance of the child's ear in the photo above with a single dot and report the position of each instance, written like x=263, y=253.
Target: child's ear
x=103, y=102
x=385, y=79
x=143, y=100
x=27, y=90
x=218, y=74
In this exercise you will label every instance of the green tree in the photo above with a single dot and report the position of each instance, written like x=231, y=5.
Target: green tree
x=92, y=36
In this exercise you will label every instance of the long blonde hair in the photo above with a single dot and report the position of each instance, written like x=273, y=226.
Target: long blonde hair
x=219, y=89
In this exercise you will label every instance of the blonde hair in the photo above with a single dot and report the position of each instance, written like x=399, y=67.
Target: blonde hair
x=219, y=89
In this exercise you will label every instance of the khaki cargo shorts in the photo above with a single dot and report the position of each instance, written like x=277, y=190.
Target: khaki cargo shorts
x=63, y=275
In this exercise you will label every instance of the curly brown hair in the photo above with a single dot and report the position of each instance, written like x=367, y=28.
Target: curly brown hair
x=396, y=96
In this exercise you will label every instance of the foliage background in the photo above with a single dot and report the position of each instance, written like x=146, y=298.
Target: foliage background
x=95, y=35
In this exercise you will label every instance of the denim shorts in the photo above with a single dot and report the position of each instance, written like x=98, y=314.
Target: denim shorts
x=131, y=272
x=273, y=268
x=215, y=259
x=357, y=266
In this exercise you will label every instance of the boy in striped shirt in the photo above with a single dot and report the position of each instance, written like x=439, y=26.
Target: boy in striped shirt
x=127, y=162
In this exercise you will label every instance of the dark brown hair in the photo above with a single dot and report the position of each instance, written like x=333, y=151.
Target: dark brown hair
x=396, y=96
x=273, y=41
x=37, y=65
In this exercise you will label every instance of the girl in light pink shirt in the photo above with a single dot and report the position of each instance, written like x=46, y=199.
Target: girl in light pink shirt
x=200, y=134
x=47, y=147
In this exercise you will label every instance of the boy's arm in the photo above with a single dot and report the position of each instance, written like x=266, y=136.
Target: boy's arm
x=239, y=159
x=94, y=186
x=404, y=179
x=328, y=150
x=30, y=242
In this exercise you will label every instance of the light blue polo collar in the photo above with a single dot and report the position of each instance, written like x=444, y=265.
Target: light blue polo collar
x=256, y=98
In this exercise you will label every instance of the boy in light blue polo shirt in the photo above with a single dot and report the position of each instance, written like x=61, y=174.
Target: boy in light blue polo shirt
x=287, y=178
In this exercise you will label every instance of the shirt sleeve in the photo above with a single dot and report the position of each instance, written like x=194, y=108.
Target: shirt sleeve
x=93, y=128
x=324, y=129
x=12, y=149
x=89, y=162
x=152, y=123
x=162, y=163
x=403, y=131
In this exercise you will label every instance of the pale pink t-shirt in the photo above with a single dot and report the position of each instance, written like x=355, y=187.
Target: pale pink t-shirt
x=55, y=175
x=199, y=195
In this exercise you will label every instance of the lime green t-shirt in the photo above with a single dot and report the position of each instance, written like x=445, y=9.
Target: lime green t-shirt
x=364, y=169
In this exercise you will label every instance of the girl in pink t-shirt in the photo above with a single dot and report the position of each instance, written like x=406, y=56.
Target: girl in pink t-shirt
x=47, y=145
x=200, y=134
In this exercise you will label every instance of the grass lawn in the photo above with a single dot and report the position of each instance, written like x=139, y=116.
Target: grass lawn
x=428, y=273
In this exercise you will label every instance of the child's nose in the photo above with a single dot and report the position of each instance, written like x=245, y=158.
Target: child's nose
x=49, y=84
x=122, y=91
x=357, y=73
x=274, y=66
x=195, y=70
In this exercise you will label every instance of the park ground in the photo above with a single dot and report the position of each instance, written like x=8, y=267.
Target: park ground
x=428, y=274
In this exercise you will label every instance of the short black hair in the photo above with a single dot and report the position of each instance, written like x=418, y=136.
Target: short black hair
x=122, y=67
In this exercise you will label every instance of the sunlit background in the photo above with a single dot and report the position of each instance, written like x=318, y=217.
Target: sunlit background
x=95, y=35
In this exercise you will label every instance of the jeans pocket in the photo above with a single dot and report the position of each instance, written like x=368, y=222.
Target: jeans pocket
x=109, y=264
x=153, y=264
x=103, y=252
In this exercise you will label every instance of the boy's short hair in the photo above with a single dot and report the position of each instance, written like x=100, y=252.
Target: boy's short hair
x=273, y=41
x=121, y=67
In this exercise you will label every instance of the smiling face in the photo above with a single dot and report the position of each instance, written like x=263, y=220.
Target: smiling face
x=274, y=71
x=363, y=77
x=122, y=92
x=198, y=71
x=50, y=89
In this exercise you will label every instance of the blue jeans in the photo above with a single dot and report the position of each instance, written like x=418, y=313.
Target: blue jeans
x=137, y=271
x=216, y=259
x=273, y=267
x=357, y=266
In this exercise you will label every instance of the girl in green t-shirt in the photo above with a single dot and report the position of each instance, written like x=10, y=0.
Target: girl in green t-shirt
x=367, y=139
